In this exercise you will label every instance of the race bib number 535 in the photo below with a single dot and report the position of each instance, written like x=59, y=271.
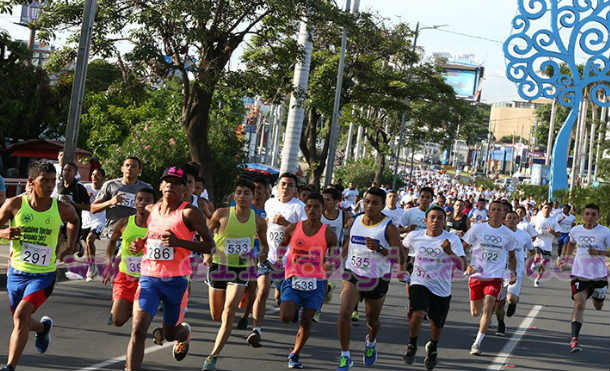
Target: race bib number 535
x=156, y=250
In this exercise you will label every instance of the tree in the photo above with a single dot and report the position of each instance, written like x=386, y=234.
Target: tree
x=198, y=38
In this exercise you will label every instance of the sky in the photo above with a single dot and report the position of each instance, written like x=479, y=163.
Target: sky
x=484, y=19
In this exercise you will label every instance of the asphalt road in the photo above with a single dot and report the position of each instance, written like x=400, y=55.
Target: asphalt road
x=83, y=341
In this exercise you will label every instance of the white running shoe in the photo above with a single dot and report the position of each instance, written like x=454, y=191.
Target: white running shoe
x=537, y=283
x=475, y=350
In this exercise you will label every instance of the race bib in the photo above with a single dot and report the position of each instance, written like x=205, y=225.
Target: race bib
x=360, y=261
x=304, y=284
x=129, y=200
x=237, y=246
x=133, y=264
x=36, y=254
x=490, y=255
x=156, y=250
x=276, y=234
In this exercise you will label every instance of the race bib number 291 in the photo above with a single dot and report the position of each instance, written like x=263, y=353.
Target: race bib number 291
x=36, y=254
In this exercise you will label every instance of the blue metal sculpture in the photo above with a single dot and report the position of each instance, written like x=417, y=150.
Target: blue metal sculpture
x=549, y=34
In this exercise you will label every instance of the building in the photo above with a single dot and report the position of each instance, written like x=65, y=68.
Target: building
x=516, y=118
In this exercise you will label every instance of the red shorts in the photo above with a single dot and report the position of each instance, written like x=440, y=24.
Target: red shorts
x=124, y=287
x=481, y=288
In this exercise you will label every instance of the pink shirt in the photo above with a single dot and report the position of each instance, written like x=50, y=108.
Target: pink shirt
x=166, y=261
x=306, y=254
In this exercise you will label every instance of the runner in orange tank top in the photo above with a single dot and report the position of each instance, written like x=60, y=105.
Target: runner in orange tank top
x=165, y=266
x=307, y=265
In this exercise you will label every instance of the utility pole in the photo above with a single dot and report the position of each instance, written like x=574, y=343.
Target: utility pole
x=549, y=146
x=78, y=86
x=334, y=127
x=296, y=113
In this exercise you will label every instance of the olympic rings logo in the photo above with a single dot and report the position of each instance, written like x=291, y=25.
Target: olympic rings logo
x=493, y=239
x=431, y=251
x=587, y=239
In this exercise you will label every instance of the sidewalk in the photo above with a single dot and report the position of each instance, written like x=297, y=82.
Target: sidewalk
x=73, y=263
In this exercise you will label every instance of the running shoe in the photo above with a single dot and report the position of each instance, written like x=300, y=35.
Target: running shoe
x=575, y=346
x=254, y=339
x=511, y=310
x=501, y=330
x=81, y=251
x=431, y=356
x=109, y=320
x=293, y=361
x=355, y=316
x=345, y=363
x=536, y=283
x=475, y=350
x=181, y=348
x=91, y=272
x=409, y=356
x=370, y=353
x=242, y=324
x=209, y=364
x=157, y=335
x=316, y=316
x=7, y=368
x=44, y=338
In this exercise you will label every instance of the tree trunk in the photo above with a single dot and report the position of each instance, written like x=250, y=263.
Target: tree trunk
x=309, y=138
x=379, y=166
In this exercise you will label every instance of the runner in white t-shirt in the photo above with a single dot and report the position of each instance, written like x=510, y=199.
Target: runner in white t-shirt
x=524, y=224
x=511, y=292
x=93, y=223
x=547, y=228
x=350, y=193
x=493, y=247
x=391, y=211
x=436, y=252
x=566, y=222
x=281, y=212
x=479, y=214
x=589, y=271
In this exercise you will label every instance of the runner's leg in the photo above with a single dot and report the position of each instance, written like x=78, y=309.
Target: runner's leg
x=217, y=303
x=349, y=299
x=373, y=310
x=135, y=348
x=233, y=296
x=23, y=324
x=258, y=315
x=304, y=329
x=121, y=311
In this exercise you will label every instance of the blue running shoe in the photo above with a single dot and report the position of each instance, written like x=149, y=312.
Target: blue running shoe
x=345, y=363
x=293, y=361
x=44, y=339
x=370, y=353
x=7, y=368
x=209, y=364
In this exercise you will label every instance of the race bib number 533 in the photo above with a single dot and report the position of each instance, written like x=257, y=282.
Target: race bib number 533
x=237, y=246
x=156, y=250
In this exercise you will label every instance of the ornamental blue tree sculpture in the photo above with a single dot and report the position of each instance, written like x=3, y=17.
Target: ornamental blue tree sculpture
x=548, y=34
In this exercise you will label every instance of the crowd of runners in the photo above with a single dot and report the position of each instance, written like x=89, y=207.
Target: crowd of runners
x=295, y=243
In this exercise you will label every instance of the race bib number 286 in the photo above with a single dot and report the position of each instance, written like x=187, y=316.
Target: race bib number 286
x=156, y=250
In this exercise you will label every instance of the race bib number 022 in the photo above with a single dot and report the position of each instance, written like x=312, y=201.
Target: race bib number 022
x=304, y=284
x=36, y=254
x=156, y=250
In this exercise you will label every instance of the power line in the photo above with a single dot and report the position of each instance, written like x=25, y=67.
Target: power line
x=470, y=36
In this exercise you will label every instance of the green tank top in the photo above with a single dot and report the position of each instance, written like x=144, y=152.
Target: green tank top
x=130, y=263
x=35, y=252
x=234, y=246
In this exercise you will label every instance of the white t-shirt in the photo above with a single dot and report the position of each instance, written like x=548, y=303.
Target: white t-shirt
x=432, y=267
x=414, y=216
x=557, y=211
x=350, y=195
x=394, y=214
x=565, y=222
x=527, y=227
x=587, y=266
x=90, y=220
x=204, y=194
x=524, y=243
x=544, y=241
x=293, y=211
x=478, y=216
x=490, y=247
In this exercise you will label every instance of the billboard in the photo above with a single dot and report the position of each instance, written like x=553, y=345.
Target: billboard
x=464, y=79
x=31, y=12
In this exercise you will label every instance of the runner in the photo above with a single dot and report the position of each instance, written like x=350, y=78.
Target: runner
x=281, y=212
x=93, y=223
x=233, y=262
x=510, y=292
x=479, y=214
x=493, y=247
x=457, y=222
x=524, y=224
x=35, y=220
x=368, y=249
x=307, y=263
x=172, y=225
x=70, y=191
x=589, y=271
x=261, y=194
x=566, y=222
x=132, y=231
x=547, y=228
x=436, y=251
x=391, y=211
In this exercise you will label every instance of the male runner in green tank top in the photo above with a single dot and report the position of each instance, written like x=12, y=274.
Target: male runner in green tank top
x=35, y=219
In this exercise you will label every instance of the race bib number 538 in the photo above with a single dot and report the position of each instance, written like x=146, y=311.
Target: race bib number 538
x=304, y=284
x=156, y=250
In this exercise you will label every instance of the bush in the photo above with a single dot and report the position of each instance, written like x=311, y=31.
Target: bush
x=362, y=174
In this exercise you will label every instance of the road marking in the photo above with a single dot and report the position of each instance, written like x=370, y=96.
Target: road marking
x=500, y=360
x=101, y=365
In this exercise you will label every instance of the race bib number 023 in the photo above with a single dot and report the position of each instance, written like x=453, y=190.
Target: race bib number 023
x=36, y=254
x=237, y=246
x=304, y=284
x=156, y=250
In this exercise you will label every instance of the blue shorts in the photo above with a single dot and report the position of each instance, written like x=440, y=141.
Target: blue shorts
x=34, y=288
x=306, y=299
x=563, y=239
x=171, y=291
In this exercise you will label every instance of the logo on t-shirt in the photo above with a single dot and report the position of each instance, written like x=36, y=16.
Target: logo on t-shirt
x=493, y=239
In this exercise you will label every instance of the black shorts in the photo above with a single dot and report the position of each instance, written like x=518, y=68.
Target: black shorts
x=580, y=285
x=85, y=232
x=409, y=265
x=545, y=254
x=369, y=288
x=219, y=276
x=437, y=307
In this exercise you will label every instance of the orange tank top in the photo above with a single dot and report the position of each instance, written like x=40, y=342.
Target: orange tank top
x=305, y=256
x=166, y=261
